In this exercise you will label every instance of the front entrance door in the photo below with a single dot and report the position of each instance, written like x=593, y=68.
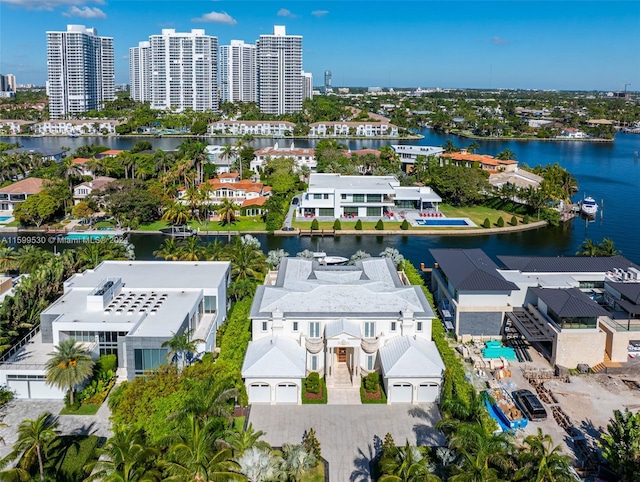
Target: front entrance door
x=342, y=355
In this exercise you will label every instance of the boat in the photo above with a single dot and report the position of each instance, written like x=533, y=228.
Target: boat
x=588, y=206
x=178, y=231
x=322, y=258
x=504, y=410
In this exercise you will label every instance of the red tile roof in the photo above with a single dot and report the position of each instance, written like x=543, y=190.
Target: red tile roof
x=80, y=160
x=30, y=185
x=256, y=201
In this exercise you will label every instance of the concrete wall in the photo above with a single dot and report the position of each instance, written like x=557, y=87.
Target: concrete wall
x=617, y=344
x=578, y=346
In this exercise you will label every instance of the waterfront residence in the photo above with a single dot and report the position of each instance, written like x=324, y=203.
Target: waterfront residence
x=75, y=127
x=19, y=191
x=576, y=309
x=342, y=322
x=481, y=161
x=126, y=308
x=519, y=178
x=15, y=126
x=302, y=156
x=256, y=128
x=336, y=196
x=407, y=154
x=45, y=153
x=573, y=133
x=353, y=128
x=85, y=189
x=217, y=156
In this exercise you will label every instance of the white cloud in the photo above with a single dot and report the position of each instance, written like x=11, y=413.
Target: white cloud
x=283, y=12
x=499, y=41
x=49, y=4
x=319, y=13
x=216, y=17
x=85, y=12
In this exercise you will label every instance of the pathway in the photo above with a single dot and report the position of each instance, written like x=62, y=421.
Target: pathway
x=349, y=435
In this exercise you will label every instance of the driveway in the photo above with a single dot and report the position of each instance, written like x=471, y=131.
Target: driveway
x=18, y=410
x=349, y=435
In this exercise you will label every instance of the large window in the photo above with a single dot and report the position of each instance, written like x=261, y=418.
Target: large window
x=374, y=211
x=148, y=359
x=358, y=198
x=374, y=198
x=369, y=362
x=314, y=363
x=325, y=212
x=369, y=329
x=209, y=304
x=575, y=323
x=314, y=329
x=317, y=196
x=350, y=211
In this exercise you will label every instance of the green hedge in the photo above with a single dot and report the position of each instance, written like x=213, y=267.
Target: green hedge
x=454, y=382
x=237, y=333
x=77, y=451
x=372, y=401
x=314, y=401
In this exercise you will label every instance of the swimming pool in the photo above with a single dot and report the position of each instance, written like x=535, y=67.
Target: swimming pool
x=443, y=222
x=90, y=235
x=4, y=219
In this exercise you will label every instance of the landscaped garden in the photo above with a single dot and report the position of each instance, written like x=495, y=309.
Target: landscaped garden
x=371, y=390
x=314, y=389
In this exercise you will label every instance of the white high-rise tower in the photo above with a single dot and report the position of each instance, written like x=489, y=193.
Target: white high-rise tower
x=280, y=81
x=140, y=72
x=238, y=72
x=81, y=73
x=184, y=70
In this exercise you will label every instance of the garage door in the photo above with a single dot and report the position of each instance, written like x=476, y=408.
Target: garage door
x=428, y=393
x=260, y=393
x=401, y=393
x=287, y=393
x=21, y=387
x=34, y=389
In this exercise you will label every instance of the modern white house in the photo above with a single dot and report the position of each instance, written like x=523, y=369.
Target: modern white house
x=407, y=154
x=342, y=322
x=256, y=128
x=353, y=128
x=126, y=308
x=15, y=126
x=75, y=127
x=302, y=156
x=336, y=196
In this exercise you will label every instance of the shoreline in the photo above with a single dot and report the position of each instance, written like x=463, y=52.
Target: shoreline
x=412, y=137
x=534, y=139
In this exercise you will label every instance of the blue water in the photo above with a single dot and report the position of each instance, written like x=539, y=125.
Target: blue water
x=609, y=172
x=442, y=222
x=88, y=235
x=4, y=218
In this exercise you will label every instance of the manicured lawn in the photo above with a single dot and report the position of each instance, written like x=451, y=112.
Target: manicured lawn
x=244, y=223
x=314, y=475
x=477, y=214
x=104, y=224
x=89, y=409
x=155, y=226
x=12, y=224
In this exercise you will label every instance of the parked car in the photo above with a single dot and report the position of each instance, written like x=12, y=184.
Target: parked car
x=295, y=201
x=529, y=404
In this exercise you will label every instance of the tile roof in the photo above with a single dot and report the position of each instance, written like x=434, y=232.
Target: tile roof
x=30, y=185
x=243, y=185
x=80, y=160
x=629, y=290
x=481, y=158
x=408, y=357
x=564, y=264
x=471, y=270
x=569, y=303
x=362, y=152
x=256, y=201
x=98, y=183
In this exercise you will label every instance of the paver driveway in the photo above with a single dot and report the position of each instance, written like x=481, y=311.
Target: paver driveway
x=349, y=435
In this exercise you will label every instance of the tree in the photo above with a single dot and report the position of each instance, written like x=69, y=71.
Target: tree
x=337, y=225
x=227, y=213
x=69, y=365
x=125, y=458
x=607, y=248
x=260, y=465
x=620, y=444
x=169, y=250
x=506, y=155
x=242, y=441
x=486, y=223
x=540, y=461
x=358, y=255
x=315, y=225
x=7, y=257
x=358, y=225
x=587, y=248
x=273, y=258
x=380, y=225
x=176, y=213
x=405, y=225
x=500, y=222
x=82, y=210
x=182, y=348
x=247, y=261
x=296, y=461
x=34, y=436
x=36, y=209
x=394, y=255
x=406, y=464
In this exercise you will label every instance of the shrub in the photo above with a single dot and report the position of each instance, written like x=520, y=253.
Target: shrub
x=405, y=225
x=315, y=225
x=379, y=225
x=311, y=444
x=359, y=225
x=367, y=398
x=6, y=394
x=310, y=398
x=372, y=382
x=500, y=222
x=312, y=383
x=525, y=219
x=487, y=223
x=337, y=225
x=514, y=221
x=107, y=363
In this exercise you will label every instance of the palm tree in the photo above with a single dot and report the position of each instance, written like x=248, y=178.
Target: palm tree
x=192, y=250
x=296, y=461
x=34, y=436
x=240, y=442
x=506, y=155
x=208, y=400
x=176, y=213
x=227, y=213
x=169, y=250
x=473, y=147
x=7, y=257
x=124, y=458
x=258, y=465
x=182, y=348
x=69, y=366
x=587, y=248
x=247, y=261
x=406, y=464
x=28, y=257
x=607, y=248
x=542, y=462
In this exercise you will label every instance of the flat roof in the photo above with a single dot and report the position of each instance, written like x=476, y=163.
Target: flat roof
x=566, y=264
x=377, y=184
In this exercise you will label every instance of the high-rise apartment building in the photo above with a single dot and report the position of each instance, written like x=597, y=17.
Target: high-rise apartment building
x=184, y=70
x=307, y=85
x=327, y=82
x=238, y=72
x=140, y=72
x=280, y=81
x=81, y=74
x=8, y=83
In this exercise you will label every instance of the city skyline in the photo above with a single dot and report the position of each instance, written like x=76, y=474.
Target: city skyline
x=537, y=45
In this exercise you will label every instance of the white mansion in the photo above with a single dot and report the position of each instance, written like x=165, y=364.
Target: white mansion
x=342, y=322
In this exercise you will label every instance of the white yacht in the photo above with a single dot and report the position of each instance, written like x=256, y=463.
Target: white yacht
x=588, y=206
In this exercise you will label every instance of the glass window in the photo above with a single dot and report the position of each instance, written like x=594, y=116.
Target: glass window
x=370, y=329
x=317, y=196
x=264, y=326
x=374, y=211
x=325, y=196
x=343, y=196
x=419, y=326
x=209, y=304
x=314, y=329
x=369, y=362
x=358, y=198
x=148, y=359
x=295, y=326
x=314, y=363
x=393, y=326
x=325, y=211
x=374, y=198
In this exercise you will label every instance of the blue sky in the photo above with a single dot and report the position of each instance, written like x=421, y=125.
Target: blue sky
x=480, y=44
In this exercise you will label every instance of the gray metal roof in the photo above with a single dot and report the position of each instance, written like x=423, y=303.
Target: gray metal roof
x=567, y=264
x=409, y=357
x=630, y=291
x=338, y=327
x=45, y=151
x=471, y=270
x=368, y=289
x=569, y=303
x=275, y=357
